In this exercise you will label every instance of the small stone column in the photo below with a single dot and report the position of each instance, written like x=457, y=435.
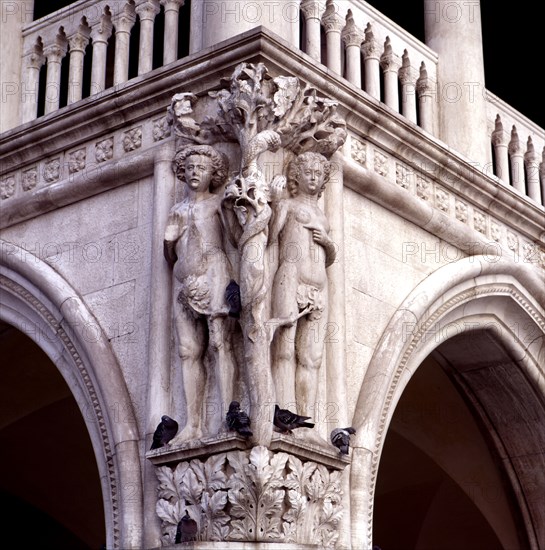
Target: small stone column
x=311, y=10
x=390, y=64
x=407, y=77
x=352, y=37
x=123, y=23
x=425, y=99
x=170, y=44
x=146, y=10
x=531, y=160
x=78, y=42
x=333, y=24
x=54, y=54
x=100, y=33
x=371, y=56
x=33, y=61
x=517, y=162
x=500, y=140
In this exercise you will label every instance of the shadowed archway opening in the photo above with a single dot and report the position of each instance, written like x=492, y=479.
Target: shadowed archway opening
x=49, y=483
x=458, y=465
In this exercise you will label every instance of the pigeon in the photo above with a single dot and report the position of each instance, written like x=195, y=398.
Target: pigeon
x=340, y=437
x=187, y=529
x=166, y=430
x=286, y=421
x=238, y=420
x=232, y=297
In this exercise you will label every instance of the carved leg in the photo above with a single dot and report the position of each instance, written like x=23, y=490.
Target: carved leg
x=283, y=367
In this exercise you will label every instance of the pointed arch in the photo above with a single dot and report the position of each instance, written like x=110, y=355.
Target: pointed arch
x=471, y=294
x=36, y=300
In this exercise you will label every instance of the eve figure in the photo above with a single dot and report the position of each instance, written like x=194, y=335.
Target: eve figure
x=194, y=247
x=299, y=294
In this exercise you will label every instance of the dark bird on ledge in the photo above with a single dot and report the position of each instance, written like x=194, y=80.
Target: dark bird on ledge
x=340, y=437
x=232, y=297
x=238, y=420
x=166, y=430
x=187, y=529
x=286, y=421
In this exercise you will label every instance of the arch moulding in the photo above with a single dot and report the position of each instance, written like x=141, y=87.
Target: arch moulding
x=473, y=293
x=36, y=300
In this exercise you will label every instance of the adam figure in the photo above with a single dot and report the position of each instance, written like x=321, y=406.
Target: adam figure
x=299, y=294
x=194, y=247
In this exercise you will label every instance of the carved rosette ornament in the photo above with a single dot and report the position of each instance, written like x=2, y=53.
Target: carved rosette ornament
x=255, y=496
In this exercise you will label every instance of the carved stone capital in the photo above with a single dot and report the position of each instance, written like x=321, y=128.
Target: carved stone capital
x=352, y=35
x=515, y=146
x=172, y=5
x=312, y=9
x=78, y=41
x=499, y=136
x=148, y=9
x=34, y=58
x=125, y=19
x=102, y=29
x=542, y=165
x=531, y=157
x=55, y=52
x=370, y=46
x=389, y=61
x=331, y=19
x=423, y=84
x=407, y=74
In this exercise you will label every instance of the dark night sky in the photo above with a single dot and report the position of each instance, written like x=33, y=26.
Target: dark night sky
x=513, y=44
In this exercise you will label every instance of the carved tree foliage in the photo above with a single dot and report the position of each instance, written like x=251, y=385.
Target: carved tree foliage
x=254, y=495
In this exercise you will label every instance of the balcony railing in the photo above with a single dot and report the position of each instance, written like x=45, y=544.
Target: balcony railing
x=91, y=45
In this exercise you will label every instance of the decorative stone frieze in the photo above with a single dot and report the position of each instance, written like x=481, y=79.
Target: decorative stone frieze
x=52, y=170
x=495, y=231
x=29, y=178
x=132, y=139
x=442, y=200
x=358, y=150
x=7, y=187
x=402, y=175
x=161, y=129
x=104, y=149
x=461, y=211
x=76, y=161
x=380, y=163
x=423, y=187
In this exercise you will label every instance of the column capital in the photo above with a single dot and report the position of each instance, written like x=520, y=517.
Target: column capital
x=34, y=57
x=125, y=18
x=148, y=9
x=170, y=5
x=499, y=135
x=102, y=29
x=423, y=84
x=407, y=73
x=389, y=61
x=56, y=51
x=79, y=40
x=531, y=157
x=312, y=9
x=542, y=165
x=331, y=19
x=370, y=46
x=515, y=146
x=352, y=35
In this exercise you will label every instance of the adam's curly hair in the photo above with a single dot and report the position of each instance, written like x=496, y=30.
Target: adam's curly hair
x=294, y=170
x=220, y=163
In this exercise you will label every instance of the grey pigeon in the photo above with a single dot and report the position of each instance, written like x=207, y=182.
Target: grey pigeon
x=166, y=430
x=232, y=297
x=340, y=437
x=286, y=421
x=186, y=530
x=238, y=420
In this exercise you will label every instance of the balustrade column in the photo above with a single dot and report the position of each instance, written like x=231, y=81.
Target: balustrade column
x=531, y=160
x=54, y=54
x=100, y=33
x=146, y=10
x=500, y=140
x=311, y=11
x=517, y=162
x=170, y=44
x=123, y=23
x=78, y=42
x=333, y=24
x=352, y=37
x=425, y=99
x=390, y=64
x=371, y=56
x=33, y=62
x=407, y=77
